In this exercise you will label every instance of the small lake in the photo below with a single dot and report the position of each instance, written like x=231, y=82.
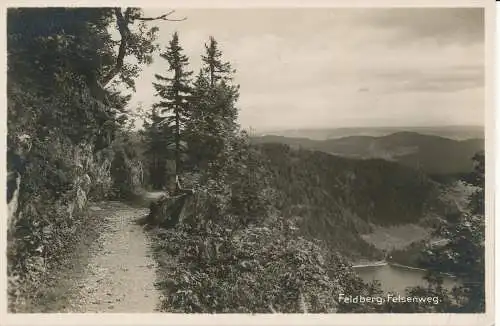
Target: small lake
x=397, y=278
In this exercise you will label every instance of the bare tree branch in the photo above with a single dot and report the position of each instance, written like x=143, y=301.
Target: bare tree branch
x=162, y=17
x=122, y=21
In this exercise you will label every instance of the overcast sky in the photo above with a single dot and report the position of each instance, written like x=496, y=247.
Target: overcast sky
x=303, y=68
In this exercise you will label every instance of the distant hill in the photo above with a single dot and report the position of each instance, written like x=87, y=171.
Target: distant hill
x=431, y=154
x=451, y=132
x=337, y=199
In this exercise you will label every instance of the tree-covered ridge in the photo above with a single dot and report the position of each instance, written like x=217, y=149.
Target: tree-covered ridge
x=435, y=155
x=377, y=191
x=337, y=199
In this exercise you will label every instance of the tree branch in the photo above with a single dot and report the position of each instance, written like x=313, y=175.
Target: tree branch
x=162, y=17
x=122, y=20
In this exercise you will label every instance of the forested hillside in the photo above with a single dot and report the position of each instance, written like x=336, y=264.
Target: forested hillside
x=431, y=154
x=337, y=198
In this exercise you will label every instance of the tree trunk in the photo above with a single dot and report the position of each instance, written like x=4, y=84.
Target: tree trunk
x=212, y=77
x=177, y=145
x=170, y=178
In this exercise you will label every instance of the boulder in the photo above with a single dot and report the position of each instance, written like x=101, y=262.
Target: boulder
x=168, y=211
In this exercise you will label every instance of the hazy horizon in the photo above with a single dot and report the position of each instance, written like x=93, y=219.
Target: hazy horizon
x=270, y=129
x=339, y=67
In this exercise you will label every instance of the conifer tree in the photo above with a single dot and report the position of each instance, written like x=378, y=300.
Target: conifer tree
x=214, y=67
x=223, y=93
x=213, y=112
x=197, y=134
x=159, y=139
x=174, y=92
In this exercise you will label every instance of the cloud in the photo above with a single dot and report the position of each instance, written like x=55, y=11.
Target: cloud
x=449, y=79
x=444, y=25
x=306, y=67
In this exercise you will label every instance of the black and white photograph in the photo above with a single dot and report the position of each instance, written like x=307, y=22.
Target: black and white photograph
x=285, y=160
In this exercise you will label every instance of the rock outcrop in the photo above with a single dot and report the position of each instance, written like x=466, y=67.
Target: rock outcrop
x=168, y=211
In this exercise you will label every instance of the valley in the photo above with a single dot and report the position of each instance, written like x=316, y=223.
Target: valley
x=358, y=207
x=366, y=208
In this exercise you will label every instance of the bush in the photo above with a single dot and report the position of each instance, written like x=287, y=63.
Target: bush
x=257, y=269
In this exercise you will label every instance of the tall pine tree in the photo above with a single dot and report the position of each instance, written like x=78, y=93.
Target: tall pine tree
x=197, y=134
x=214, y=67
x=222, y=92
x=175, y=93
x=213, y=112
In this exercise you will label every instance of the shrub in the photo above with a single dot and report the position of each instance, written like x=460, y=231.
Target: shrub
x=257, y=269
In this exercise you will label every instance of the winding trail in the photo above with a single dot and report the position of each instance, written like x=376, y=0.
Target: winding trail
x=120, y=271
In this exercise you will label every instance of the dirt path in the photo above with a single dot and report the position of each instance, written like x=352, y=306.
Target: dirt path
x=120, y=273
